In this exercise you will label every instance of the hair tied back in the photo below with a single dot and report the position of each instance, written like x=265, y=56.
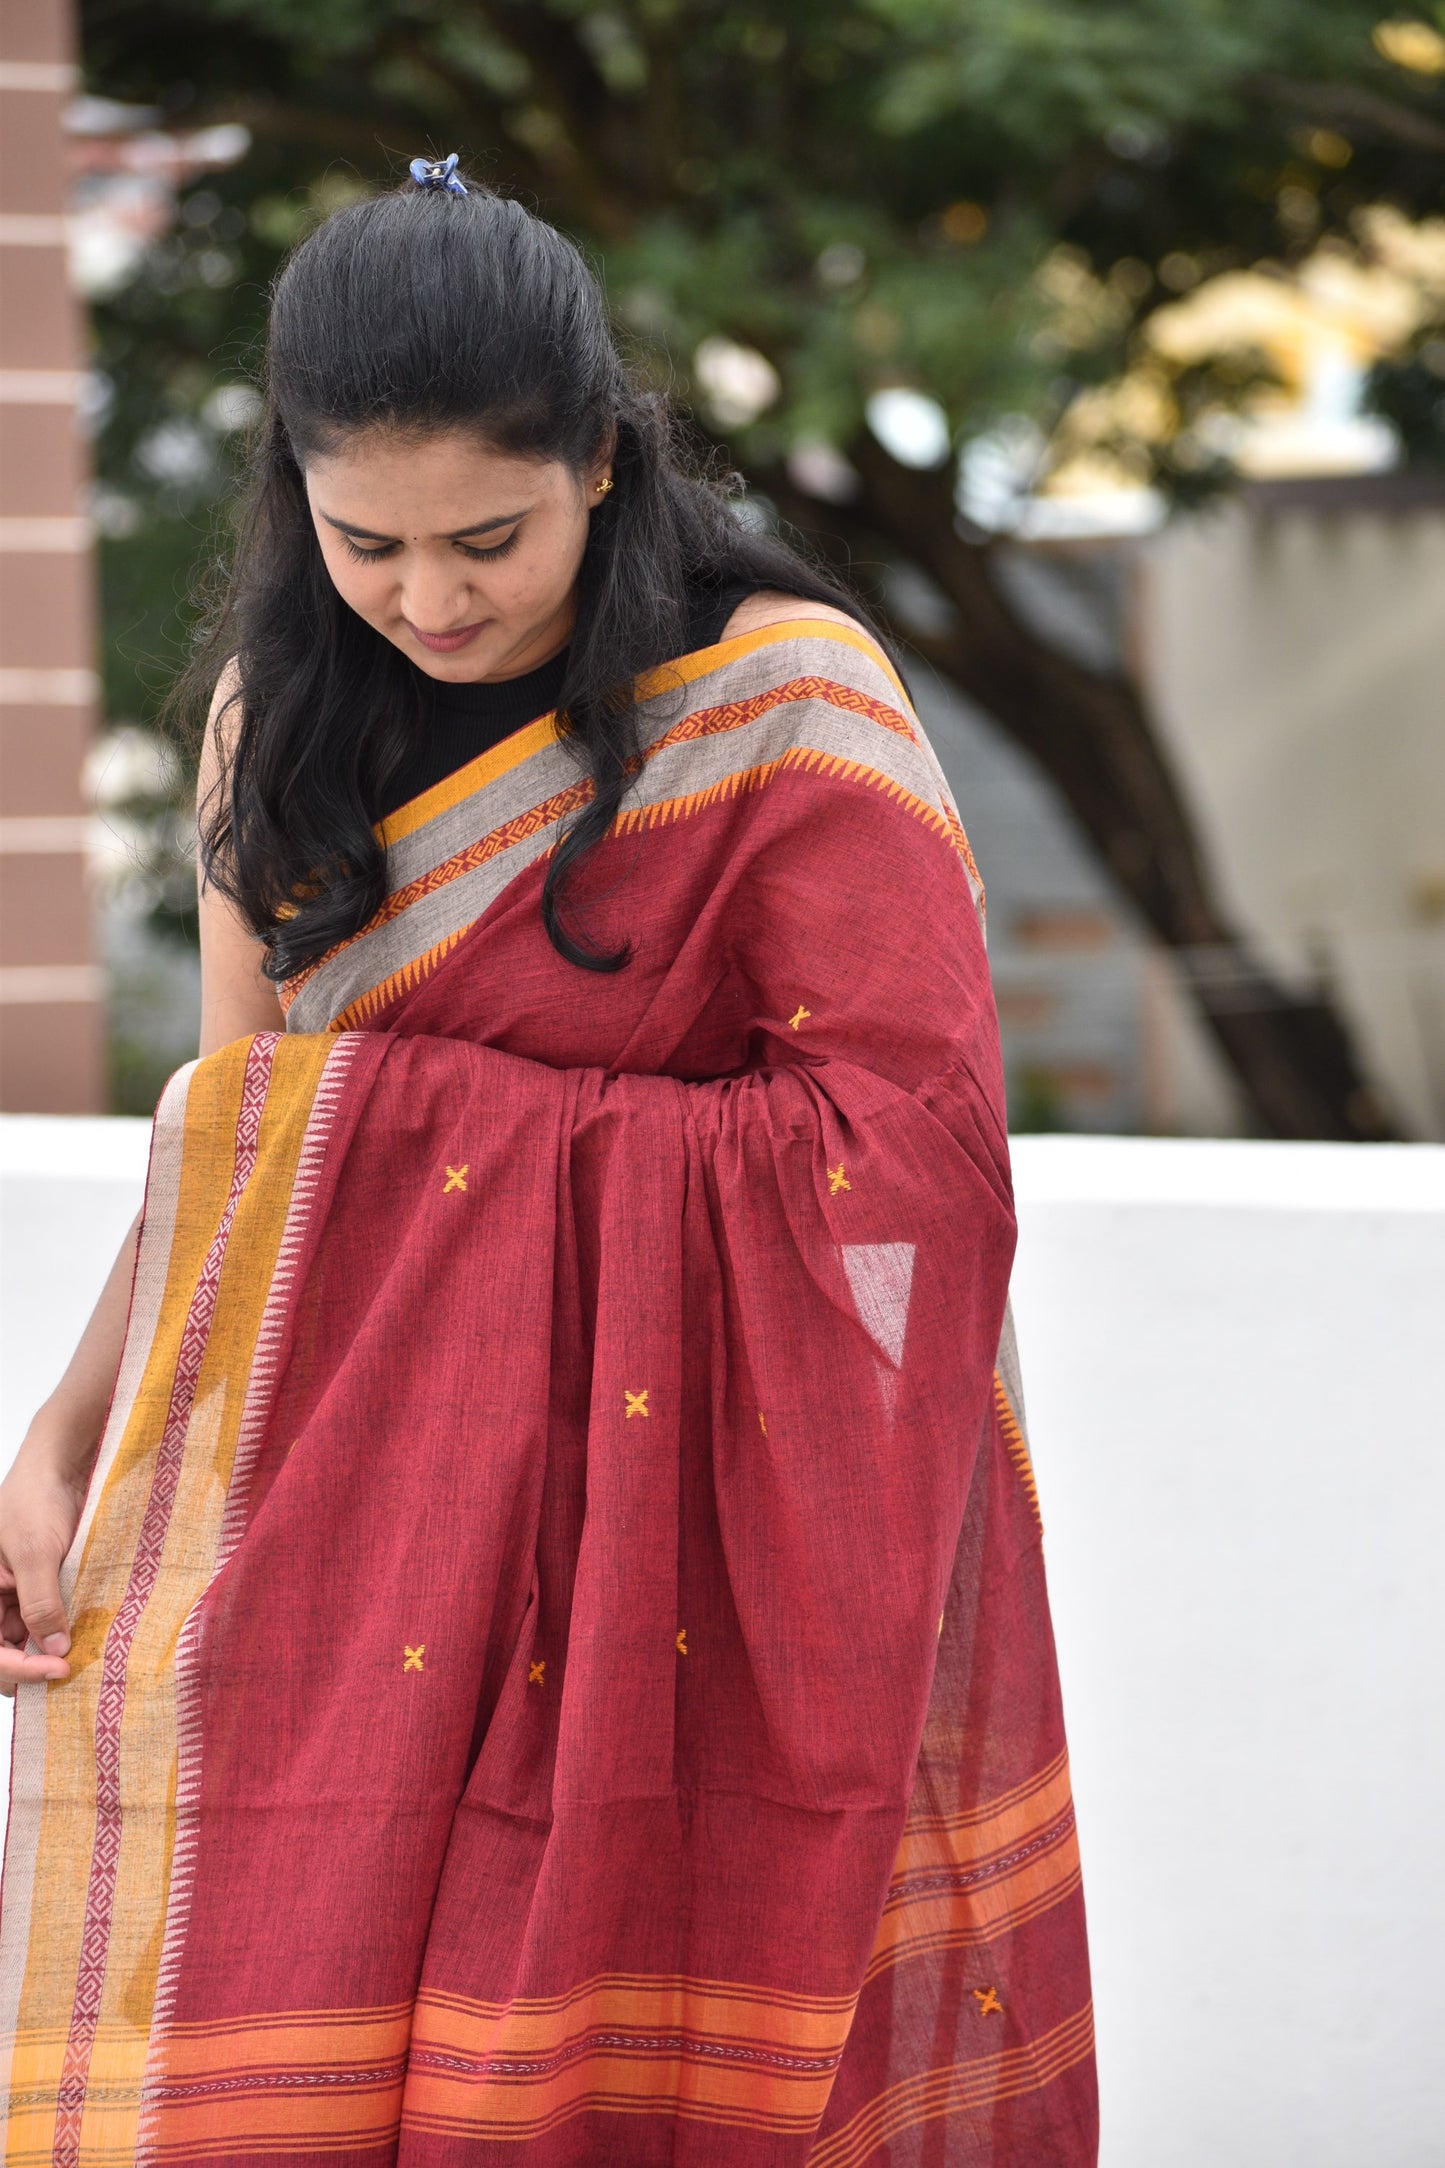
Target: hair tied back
x=404, y=310
x=438, y=173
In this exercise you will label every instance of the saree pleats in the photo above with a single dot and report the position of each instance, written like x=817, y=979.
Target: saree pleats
x=562, y=1667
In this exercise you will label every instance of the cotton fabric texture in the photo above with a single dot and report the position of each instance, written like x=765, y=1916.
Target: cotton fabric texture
x=562, y=1670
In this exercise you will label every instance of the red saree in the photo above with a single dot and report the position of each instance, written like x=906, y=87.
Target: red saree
x=562, y=1671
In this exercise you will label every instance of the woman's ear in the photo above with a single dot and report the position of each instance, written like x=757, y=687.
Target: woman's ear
x=599, y=473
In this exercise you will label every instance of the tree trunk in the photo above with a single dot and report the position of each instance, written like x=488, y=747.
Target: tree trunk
x=1092, y=734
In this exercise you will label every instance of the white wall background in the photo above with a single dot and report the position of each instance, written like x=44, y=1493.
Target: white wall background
x=1232, y=1356
x=1294, y=658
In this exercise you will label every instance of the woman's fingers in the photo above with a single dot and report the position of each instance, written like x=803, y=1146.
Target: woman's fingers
x=37, y=1596
x=16, y=1668
x=33, y=1607
x=39, y=1507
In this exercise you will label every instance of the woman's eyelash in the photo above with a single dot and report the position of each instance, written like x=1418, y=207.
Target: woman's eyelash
x=370, y=556
x=500, y=550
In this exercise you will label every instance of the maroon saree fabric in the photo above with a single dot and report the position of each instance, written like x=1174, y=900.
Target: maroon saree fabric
x=563, y=1671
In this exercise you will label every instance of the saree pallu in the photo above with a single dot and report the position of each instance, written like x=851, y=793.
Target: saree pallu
x=561, y=1666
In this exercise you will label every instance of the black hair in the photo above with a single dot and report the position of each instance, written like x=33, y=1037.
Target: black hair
x=422, y=310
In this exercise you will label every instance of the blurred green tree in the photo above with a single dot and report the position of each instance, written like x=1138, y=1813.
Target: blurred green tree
x=798, y=205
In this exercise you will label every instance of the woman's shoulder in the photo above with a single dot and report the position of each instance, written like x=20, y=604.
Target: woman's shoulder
x=222, y=722
x=768, y=606
x=813, y=640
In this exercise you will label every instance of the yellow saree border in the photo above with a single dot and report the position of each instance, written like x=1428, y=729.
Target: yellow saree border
x=971, y=1878
x=976, y=2085
x=462, y=783
x=95, y=1956
x=1017, y=1446
x=535, y=736
x=694, y=2050
x=725, y=2051
x=717, y=2050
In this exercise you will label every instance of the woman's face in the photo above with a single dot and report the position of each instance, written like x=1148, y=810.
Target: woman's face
x=463, y=557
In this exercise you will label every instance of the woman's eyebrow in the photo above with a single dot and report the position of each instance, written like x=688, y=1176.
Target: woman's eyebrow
x=458, y=534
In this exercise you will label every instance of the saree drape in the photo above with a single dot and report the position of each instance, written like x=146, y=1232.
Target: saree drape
x=562, y=1670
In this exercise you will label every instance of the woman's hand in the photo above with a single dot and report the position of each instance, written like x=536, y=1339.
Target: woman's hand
x=41, y=1498
x=40, y=1505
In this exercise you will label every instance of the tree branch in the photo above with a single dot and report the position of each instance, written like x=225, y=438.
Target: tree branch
x=1352, y=105
x=578, y=101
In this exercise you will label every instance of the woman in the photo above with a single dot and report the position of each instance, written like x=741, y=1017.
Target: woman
x=550, y=1660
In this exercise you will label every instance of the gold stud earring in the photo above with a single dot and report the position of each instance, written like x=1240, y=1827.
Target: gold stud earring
x=604, y=485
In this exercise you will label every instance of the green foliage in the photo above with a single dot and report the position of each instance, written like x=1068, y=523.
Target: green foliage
x=1050, y=71
x=1410, y=393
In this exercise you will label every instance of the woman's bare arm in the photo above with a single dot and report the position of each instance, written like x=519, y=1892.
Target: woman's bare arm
x=42, y=1496
x=236, y=997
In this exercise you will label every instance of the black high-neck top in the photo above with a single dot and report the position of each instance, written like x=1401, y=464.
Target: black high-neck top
x=467, y=720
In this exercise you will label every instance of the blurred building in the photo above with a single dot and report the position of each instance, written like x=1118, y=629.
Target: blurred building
x=51, y=991
x=1292, y=642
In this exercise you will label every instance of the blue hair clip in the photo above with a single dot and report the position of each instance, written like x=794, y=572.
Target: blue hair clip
x=438, y=173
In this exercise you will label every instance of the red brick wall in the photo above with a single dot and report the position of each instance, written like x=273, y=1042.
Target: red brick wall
x=51, y=1015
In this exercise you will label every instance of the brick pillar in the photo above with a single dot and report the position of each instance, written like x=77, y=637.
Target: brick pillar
x=51, y=1016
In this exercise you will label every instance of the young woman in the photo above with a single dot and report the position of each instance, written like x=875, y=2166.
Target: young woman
x=530, y=1630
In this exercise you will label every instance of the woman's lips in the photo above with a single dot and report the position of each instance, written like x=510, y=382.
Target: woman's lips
x=445, y=643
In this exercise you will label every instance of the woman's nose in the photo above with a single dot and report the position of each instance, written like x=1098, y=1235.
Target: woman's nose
x=435, y=597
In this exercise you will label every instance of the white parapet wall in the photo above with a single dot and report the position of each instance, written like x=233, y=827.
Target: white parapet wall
x=1232, y=1355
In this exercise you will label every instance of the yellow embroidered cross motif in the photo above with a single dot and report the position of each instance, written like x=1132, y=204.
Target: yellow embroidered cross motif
x=636, y=1402
x=682, y=1641
x=837, y=1180
x=762, y=1422
x=456, y=1179
x=412, y=1658
x=799, y=1016
x=537, y=1673
x=988, y=2002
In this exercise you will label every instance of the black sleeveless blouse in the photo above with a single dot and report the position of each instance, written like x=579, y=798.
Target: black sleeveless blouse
x=467, y=720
